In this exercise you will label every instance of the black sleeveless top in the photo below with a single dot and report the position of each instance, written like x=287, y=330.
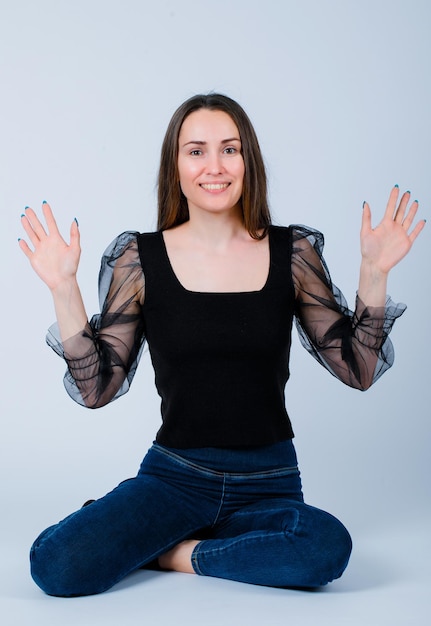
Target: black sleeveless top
x=220, y=359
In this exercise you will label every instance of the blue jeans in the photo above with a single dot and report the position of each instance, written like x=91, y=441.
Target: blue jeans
x=246, y=506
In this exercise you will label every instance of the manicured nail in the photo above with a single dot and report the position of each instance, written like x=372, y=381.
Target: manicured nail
x=77, y=223
x=22, y=214
x=19, y=238
x=26, y=207
x=417, y=201
x=408, y=192
x=397, y=186
x=44, y=202
x=364, y=203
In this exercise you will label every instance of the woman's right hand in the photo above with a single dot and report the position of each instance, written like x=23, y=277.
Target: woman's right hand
x=53, y=260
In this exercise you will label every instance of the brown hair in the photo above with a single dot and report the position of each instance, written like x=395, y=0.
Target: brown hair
x=172, y=204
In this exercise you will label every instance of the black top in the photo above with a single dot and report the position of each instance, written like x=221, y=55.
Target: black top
x=221, y=360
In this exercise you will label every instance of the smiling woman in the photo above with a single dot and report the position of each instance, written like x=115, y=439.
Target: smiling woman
x=210, y=164
x=214, y=292
x=173, y=204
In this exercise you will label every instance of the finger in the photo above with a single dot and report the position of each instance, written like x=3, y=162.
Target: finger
x=366, y=219
x=75, y=235
x=49, y=218
x=417, y=229
x=401, y=210
x=392, y=202
x=30, y=220
x=25, y=248
x=408, y=220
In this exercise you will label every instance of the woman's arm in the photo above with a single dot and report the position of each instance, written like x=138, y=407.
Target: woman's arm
x=56, y=263
x=352, y=345
x=384, y=246
x=101, y=354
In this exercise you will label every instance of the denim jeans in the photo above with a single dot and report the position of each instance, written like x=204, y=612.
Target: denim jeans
x=246, y=506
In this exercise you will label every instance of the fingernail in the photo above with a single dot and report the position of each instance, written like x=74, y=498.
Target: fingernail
x=19, y=238
x=22, y=215
x=408, y=192
x=77, y=223
x=44, y=202
x=26, y=207
x=364, y=203
x=397, y=186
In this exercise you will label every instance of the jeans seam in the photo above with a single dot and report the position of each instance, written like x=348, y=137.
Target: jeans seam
x=221, y=501
x=182, y=461
x=194, y=559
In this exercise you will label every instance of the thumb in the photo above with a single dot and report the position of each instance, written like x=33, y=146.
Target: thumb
x=75, y=234
x=366, y=219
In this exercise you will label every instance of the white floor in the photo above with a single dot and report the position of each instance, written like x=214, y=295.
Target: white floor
x=387, y=583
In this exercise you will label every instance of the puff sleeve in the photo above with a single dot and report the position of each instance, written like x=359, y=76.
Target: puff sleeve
x=352, y=345
x=102, y=359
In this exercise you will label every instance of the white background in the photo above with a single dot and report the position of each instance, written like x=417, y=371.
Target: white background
x=340, y=96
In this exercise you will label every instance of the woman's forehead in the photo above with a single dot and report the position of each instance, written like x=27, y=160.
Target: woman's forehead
x=208, y=125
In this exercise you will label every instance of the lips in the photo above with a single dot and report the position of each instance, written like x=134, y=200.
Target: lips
x=214, y=186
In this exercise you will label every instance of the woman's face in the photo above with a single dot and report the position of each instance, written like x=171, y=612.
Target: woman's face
x=210, y=163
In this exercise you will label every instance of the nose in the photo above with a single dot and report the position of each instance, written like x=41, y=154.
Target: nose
x=214, y=164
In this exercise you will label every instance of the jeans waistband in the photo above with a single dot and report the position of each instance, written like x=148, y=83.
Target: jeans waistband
x=256, y=459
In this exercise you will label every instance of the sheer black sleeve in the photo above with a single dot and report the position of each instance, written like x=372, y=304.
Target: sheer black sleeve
x=102, y=359
x=352, y=345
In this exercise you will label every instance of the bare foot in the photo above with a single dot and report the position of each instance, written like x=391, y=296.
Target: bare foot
x=179, y=558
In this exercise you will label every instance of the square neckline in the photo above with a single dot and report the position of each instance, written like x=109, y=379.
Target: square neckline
x=217, y=293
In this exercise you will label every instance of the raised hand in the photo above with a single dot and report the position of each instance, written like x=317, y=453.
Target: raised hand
x=53, y=260
x=385, y=245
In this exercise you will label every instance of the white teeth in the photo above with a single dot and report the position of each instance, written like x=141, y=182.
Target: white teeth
x=215, y=186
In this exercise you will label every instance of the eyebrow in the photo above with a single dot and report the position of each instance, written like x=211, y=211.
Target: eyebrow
x=203, y=143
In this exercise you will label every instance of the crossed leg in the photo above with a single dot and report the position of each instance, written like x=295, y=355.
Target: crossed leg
x=97, y=546
x=278, y=542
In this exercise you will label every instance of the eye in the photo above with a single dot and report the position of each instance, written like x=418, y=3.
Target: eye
x=195, y=152
x=230, y=150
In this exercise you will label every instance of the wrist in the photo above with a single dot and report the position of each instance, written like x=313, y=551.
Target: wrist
x=372, y=284
x=372, y=272
x=69, y=308
x=64, y=287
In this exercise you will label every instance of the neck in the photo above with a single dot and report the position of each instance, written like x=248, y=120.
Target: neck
x=215, y=229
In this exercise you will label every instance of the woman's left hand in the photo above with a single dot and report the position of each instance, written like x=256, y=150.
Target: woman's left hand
x=385, y=245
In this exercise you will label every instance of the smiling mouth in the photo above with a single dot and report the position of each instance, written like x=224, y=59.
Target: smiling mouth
x=214, y=186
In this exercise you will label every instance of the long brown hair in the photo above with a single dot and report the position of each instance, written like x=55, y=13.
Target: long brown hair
x=172, y=203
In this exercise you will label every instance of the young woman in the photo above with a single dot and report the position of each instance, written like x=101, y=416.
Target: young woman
x=214, y=292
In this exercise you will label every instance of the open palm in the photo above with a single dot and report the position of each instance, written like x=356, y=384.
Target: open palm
x=52, y=258
x=386, y=244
